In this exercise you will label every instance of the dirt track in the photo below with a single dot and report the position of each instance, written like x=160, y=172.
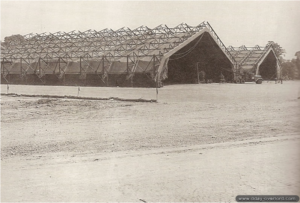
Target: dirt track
x=126, y=151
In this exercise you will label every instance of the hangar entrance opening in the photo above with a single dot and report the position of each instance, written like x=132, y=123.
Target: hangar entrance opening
x=204, y=53
x=268, y=68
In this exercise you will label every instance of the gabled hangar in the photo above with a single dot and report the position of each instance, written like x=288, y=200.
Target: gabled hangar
x=256, y=61
x=142, y=57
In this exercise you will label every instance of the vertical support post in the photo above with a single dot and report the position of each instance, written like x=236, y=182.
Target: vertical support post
x=80, y=65
x=154, y=65
x=257, y=70
x=3, y=71
x=280, y=73
x=197, y=72
x=237, y=66
x=127, y=65
x=107, y=80
x=102, y=64
x=21, y=65
x=39, y=67
x=59, y=65
x=277, y=70
x=21, y=72
x=280, y=69
x=156, y=87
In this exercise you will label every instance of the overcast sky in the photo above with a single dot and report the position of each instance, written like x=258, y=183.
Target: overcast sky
x=236, y=22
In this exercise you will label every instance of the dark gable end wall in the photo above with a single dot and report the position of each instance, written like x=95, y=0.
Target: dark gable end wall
x=182, y=65
x=267, y=68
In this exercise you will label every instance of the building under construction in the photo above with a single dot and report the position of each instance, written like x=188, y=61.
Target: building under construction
x=142, y=57
x=256, y=61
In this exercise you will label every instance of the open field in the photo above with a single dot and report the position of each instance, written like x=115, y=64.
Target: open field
x=206, y=142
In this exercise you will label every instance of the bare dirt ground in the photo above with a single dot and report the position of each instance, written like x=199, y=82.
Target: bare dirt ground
x=198, y=143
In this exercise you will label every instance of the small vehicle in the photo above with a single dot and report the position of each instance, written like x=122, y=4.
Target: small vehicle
x=258, y=79
x=248, y=78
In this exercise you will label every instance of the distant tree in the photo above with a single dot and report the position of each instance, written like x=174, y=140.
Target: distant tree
x=289, y=70
x=297, y=64
x=3, y=44
x=7, y=40
x=14, y=38
x=279, y=51
x=298, y=57
x=296, y=74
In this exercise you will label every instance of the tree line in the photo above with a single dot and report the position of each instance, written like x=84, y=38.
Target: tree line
x=290, y=69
